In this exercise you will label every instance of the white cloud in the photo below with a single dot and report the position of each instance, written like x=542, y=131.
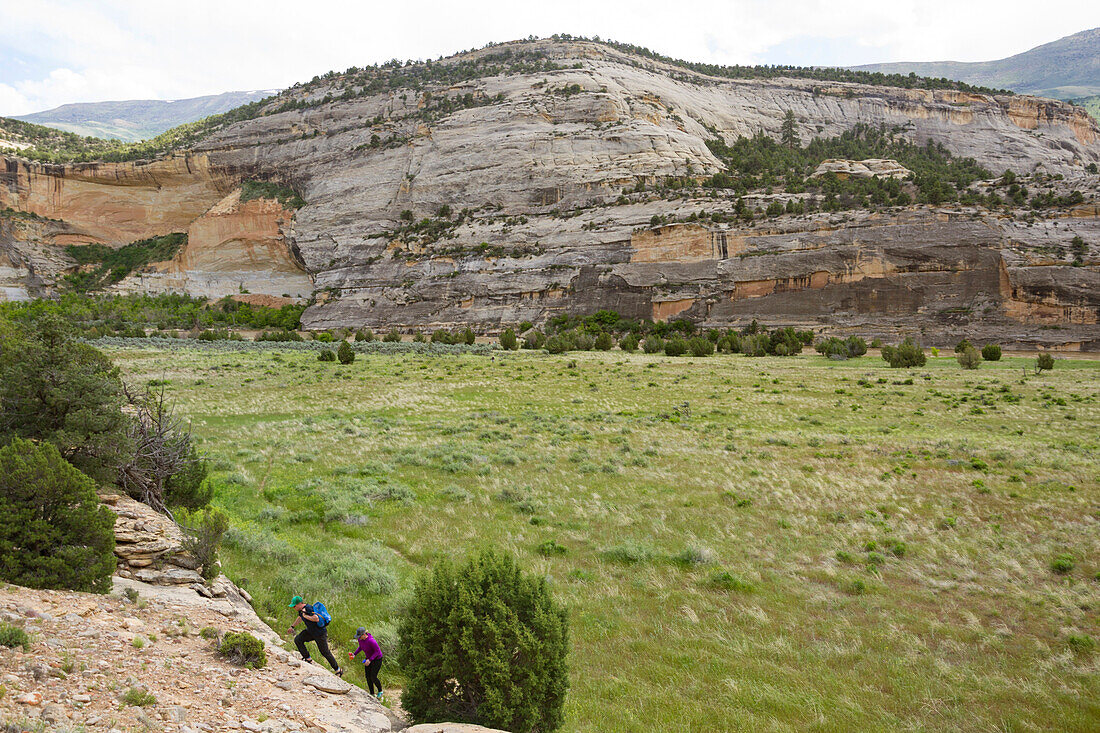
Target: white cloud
x=124, y=49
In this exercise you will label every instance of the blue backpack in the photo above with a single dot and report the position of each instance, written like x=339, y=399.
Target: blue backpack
x=322, y=614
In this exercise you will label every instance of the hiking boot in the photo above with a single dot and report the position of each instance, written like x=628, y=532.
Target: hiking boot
x=381, y=697
x=339, y=673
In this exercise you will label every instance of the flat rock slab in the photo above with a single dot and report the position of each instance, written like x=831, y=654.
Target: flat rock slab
x=325, y=683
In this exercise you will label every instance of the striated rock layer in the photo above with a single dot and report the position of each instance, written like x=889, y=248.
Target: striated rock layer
x=545, y=164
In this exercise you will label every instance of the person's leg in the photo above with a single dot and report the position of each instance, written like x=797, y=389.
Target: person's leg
x=322, y=646
x=300, y=642
x=372, y=676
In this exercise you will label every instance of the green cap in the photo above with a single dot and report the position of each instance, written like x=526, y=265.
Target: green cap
x=295, y=601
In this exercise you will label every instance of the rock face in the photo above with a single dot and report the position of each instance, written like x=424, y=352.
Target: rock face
x=547, y=165
x=149, y=545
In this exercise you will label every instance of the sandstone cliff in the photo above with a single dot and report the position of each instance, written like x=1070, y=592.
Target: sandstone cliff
x=545, y=161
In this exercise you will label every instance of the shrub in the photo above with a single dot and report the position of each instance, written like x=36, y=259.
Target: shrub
x=280, y=336
x=969, y=358
x=326, y=355
x=1062, y=564
x=991, y=352
x=243, y=649
x=465, y=336
x=856, y=346
x=67, y=393
x=725, y=580
x=203, y=533
x=138, y=697
x=603, y=342
x=906, y=354
x=629, y=343
x=700, y=346
x=439, y=336
x=344, y=353
x=419, y=338
x=1081, y=643
x=629, y=552
x=508, y=340
x=676, y=347
x=653, y=345
x=188, y=487
x=393, y=336
x=324, y=337
x=1044, y=362
x=13, y=636
x=209, y=633
x=963, y=346
x=54, y=533
x=550, y=548
x=557, y=344
x=484, y=643
x=364, y=334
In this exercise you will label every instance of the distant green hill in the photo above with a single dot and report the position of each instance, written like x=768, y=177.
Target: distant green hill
x=1068, y=68
x=138, y=119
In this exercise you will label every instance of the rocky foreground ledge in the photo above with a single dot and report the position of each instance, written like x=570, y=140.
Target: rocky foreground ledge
x=89, y=651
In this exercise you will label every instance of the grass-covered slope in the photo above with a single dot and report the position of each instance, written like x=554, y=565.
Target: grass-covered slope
x=743, y=544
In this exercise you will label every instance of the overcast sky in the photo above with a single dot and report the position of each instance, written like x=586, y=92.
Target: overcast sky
x=58, y=51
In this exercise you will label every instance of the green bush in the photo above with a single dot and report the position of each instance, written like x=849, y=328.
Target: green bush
x=534, y=340
x=991, y=352
x=209, y=633
x=906, y=354
x=1081, y=644
x=439, y=336
x=393, y=336
x=508, y=340
x=557, y=344
x=725, y=580
x=629, y=343
x=365, y=335
x=653, y=345
x=326, y=355
x=676, y=346
x=969, y=358
x=243, y=649
x=203, y=533
x=963, y=346
x=484, y=643
x=54, y=533
x=603, y=342
x=188, y=487
x=629, y=553
x=13, y=636
x=466, y=336
x=1062, y=564
x=324, y=337
x=138, y=697
x=700, y=346
x=344, y=353
x=836, y=348
x=1044, y=362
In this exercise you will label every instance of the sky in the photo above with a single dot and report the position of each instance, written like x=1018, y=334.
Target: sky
x=53, y=52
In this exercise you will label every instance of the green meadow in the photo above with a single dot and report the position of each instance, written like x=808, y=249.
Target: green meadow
x=758, y=544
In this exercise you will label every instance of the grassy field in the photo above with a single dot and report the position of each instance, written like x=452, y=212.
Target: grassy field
x=742, y=544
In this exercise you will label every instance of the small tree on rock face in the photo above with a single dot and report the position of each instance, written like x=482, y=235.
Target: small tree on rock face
x=344, y=353
x=484, y=643
x=54, y=533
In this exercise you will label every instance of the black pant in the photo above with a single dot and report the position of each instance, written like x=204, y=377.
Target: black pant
x=322, y=646
x=371, y=671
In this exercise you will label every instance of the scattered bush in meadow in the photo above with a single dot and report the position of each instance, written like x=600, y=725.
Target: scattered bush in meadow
x=603, y=342
x=676, y=346
x=344, y=353
x=906, y=354
x=963, y=346
x=991, y=352
x=550, y=548
x=393, y=336
x=629, y=552
x=1044, y=363
x=13, y=636
x=326, y=355
x=653, y=345
x=365, y=335
x=534, y=339
x=969, y=358
x=1081, y=644
x=508, y=340
x=138, y=697
x=700, y=346
x=725, y=580
x=629, y=343
x=836, y=348
x=1062, y=564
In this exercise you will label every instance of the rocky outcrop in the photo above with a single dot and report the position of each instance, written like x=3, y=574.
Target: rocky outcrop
x=547, y=169
x=149, y=545
x=870, y=168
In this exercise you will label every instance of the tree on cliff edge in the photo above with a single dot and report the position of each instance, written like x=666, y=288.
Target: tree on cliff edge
x=789, y=131
x=484, y=643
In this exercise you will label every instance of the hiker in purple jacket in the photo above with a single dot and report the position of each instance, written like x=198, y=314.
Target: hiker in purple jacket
x=372, y=659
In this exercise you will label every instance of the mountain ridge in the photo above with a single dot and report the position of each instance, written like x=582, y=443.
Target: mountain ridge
x=1067, y=68
x=138, y=119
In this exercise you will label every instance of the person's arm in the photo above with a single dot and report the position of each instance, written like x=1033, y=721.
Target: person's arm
x=292, y=625
x=311, y=617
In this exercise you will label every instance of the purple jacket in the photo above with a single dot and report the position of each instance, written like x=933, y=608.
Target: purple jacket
x=370, y=649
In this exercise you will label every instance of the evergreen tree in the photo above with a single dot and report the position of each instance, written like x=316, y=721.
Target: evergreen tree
x=789, y=131
x=54, y=533
x=55, y=389
x=484, y=643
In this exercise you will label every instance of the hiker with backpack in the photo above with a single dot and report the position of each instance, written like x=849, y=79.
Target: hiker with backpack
x=372, y=659
x=316, y=618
